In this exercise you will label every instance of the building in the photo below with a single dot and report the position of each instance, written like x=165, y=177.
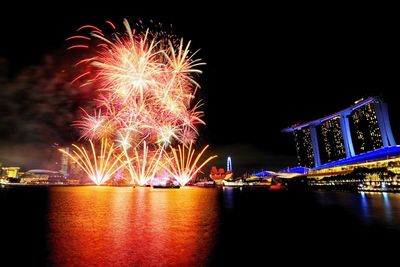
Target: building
x=366, y=134
x=64, y=161
x=43, y=177
x=330, y=140
x=359, y=132
x=10, y=172
x=304, y=147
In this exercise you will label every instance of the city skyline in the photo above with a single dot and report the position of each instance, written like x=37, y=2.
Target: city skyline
x=138, y=133
x=274, y=85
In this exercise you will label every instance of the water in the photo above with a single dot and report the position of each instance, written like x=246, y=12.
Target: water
x=122, y=226
x=109, y=225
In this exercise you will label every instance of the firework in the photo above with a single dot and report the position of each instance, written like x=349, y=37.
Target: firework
x=184, y=163
x=143, y=163
x=146, y=85
x=145, y=101
x=100, y=166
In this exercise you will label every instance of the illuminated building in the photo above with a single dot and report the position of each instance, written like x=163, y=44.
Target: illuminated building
x=331, y=142
x=43, y=177
x=64, y=162
x=9, y=172
x=218, y=175
x=366, y=134
x=360, y=132
x=304, y=148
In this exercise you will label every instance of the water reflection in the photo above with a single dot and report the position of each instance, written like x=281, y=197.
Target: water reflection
x=387, y=207
x=371, y=207
x=228, y=195
x=111, y=226
x=364, y=206
x=122, y=226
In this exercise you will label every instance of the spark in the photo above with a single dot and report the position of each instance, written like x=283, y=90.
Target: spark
x=77, y=46
x=80, y=76
x=151, y=79
x=143, y=164
x=145, y=99
x=184, y=163
x=111, y=24
x=89, y=27
x=95, y=126
x=99, y=167
x=77, y=37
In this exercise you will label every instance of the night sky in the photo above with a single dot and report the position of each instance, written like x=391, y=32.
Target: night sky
x=267, y=67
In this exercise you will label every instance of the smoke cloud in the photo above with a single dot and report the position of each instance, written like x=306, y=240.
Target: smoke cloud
x=37, y=107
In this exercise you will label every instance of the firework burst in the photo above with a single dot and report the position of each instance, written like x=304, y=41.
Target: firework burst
x=184, y=163
x=100, y=165
x=143, y=163
x=146, y=85
x=145, y=101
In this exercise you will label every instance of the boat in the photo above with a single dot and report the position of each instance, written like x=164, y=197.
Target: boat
x=259, y=181
x=264, y=183
x=237, y=183
x=168, y=184
x=205, y=183
x=277, y=187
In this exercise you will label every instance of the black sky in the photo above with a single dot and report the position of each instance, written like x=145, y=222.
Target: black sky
x=267, y=66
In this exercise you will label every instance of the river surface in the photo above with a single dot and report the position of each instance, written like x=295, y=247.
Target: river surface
x=123, y=226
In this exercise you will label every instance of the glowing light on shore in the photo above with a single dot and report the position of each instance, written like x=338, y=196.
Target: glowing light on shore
x=143, y=164
x=184, y=163
x=99, y=166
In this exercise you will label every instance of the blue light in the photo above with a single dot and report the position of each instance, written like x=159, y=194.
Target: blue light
x=302, y=170
x=377, y=154
x=264, y=174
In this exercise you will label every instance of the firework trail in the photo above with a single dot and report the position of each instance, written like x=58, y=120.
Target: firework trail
x=143, y=164
x=101, y=165
x=184, y=163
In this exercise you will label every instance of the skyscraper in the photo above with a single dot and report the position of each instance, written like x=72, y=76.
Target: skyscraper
x=305, y=154
x=330, y=140
x=365, y=130
x=362, y=127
